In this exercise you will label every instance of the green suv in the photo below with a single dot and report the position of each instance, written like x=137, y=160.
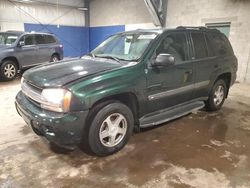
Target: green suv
x=132, y=80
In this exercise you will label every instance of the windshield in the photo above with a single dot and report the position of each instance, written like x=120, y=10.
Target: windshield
x=124, y=46
x=7, y=39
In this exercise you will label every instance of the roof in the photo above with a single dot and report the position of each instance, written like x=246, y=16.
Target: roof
x=13, y=32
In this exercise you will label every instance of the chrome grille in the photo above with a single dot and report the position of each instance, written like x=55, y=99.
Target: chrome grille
x=31, y=92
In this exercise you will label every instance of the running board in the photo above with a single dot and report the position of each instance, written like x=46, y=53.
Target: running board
x=170, y=114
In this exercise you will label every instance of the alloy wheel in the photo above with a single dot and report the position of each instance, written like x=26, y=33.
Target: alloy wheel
x=219, y=95
x=113, y=130
x=9, y=71
x=55, y=59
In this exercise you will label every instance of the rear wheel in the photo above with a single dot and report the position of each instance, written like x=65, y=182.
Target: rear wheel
x=8, y=70
x=110, y=129
x=217, y=96
x=54, y=58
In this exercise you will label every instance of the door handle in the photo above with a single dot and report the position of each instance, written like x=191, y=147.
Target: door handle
x=155, y=86
x=189, y=72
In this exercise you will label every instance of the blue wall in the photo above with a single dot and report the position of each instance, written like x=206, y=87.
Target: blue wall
x=99, y=34
x=75, y=40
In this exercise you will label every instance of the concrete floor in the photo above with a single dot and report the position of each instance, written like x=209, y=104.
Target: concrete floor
x=199, y=150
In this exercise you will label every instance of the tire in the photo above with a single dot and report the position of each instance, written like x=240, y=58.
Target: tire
x=215, y=101
x=54, y=58
x=104, y=136
x=8, y=70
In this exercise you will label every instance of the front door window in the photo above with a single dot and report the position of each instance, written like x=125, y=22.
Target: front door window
x=174, y=44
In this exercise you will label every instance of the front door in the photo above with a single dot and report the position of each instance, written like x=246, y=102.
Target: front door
x=174, y=84
x=27, y=53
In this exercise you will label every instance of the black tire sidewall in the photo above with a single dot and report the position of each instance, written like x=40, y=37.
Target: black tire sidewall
x=2, y=70
x=93, y=137
x=211, y=105
x=53, y=56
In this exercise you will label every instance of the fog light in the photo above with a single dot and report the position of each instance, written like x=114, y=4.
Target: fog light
x=36, y=124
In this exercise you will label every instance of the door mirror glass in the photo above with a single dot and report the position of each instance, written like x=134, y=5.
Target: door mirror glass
x=164, y=60
x=21, y=43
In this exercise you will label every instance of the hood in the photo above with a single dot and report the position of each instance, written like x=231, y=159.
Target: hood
x=3, y=47
x=61, y=73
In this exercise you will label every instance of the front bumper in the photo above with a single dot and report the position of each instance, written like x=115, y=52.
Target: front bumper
x=64, y=129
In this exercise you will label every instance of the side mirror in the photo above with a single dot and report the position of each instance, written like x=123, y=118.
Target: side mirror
x=164, y=60
x=21, y=43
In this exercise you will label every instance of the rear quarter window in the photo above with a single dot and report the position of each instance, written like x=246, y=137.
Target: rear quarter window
x=50, y=39
x=218, y=44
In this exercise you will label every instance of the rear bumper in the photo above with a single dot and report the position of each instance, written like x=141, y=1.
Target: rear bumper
x=61, y=128
x=61, y=56
x=61, y=53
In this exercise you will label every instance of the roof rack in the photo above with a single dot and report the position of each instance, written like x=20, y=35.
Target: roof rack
x=191, y=27
x=202, y=28
x=13, y=31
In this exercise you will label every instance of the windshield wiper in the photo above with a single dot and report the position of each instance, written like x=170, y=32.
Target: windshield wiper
x=110, y=57
x=91, y=55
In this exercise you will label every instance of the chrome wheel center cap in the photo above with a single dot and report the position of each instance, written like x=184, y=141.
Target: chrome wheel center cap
x=113, y=130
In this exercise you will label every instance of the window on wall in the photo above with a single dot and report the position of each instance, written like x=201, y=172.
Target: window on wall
x=222, y=27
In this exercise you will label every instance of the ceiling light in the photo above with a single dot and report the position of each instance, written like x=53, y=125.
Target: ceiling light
x=23, y=1
x=82, y=8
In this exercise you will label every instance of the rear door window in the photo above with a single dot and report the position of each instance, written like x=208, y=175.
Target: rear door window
x=219, y=44
x=40, y=39
x=200, y=48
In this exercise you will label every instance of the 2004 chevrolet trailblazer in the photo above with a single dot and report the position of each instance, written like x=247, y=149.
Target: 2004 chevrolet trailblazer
x=132, y=80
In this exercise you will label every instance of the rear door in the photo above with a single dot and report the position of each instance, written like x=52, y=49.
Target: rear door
x=172, y=85
x=209, y=57
x=53, y=47
x=27, y=54
x=204, y=64
x=44, y=54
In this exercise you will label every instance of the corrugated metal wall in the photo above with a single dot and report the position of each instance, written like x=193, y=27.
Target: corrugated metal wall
x=11, y=12
x=67, y=23
x=76, y=38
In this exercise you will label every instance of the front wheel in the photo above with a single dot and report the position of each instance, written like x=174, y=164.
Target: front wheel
x=110, y=129
x=217, y=96
x=8, y=70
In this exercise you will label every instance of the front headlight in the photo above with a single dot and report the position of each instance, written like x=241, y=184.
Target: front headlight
x=22, y=80
x=57, y=100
